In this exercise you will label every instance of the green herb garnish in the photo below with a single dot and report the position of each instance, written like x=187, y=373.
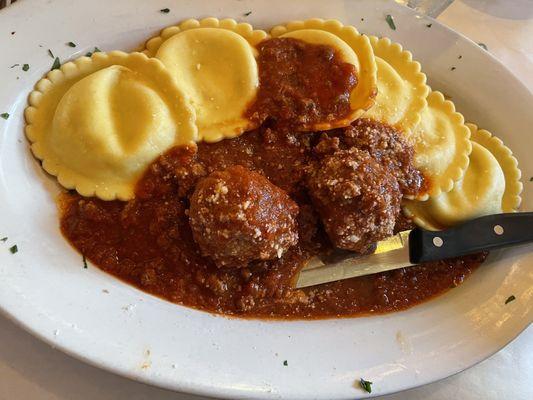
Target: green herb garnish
x=4, y=239
x=165, y=10
x=4, y=115
x=13, y=249
x=71, y=44
x=390, y=21
x=56, y=64
x=483, y=45
x=84, y=262
x=247, y=13
x=510, y=298
x=90, y=53
x=14, y=65
x=26, y=67
x=50, y=53
x=366, y=385
x=286, y=363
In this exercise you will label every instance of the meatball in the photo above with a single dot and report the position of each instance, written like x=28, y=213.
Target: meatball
x=357, y=198
x=391, y=148
x=238, y=216
x=385, y=143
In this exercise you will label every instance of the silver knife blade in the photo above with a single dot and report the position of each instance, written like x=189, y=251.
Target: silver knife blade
x=391, y=253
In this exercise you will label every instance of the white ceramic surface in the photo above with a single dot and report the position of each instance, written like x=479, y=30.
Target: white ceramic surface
x=45, y=288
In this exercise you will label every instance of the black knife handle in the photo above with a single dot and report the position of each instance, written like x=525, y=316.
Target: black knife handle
x=484, y=233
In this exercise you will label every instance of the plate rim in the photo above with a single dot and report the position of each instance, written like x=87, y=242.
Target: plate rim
x=208, y=390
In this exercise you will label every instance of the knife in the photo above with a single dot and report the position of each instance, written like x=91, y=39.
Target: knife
x=418, y=245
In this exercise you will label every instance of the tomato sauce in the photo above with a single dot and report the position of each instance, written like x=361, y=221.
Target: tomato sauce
x=148, y=241
x=301, y=84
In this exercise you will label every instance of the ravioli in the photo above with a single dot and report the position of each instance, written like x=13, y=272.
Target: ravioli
x=217, y=69
x=214, y=62
x=441, y=143
x=508, y=163
x=97, y=123
x=402, y=88
x=252, y=36
x=321, y=37
x=490, y=185
x=353, y=47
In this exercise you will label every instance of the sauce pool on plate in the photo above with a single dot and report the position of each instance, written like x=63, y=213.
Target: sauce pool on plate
x=148, y=241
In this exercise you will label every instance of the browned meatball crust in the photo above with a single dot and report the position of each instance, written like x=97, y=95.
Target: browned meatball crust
x=385, y=143
x=357, y=198
x=238, y=216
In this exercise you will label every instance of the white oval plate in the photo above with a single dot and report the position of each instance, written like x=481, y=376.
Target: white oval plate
x=45, y=288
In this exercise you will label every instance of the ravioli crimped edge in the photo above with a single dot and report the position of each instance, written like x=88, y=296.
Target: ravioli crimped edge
x=244, y=29
x=68, y=75
x=456, y=169
x=364, y=93
x=509, y=164
x=402, y=62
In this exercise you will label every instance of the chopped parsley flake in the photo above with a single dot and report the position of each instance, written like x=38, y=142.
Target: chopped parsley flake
x=13, y=249
x=26, y=67
x=71, y=44
x=90, y=53
x=286, y=363
x=510, y=298
x=4, y=115
x=390, y=21
x=56, y=64
x=165, y=10
x=247, y=13
x=4, y=239
x=50, y=53
x=429, y=25
x=14, y=65
x=84, y=262
x=483, y=45
x=366, y=385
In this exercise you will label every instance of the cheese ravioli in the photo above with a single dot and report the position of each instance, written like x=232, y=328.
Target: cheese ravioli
x=97, y=123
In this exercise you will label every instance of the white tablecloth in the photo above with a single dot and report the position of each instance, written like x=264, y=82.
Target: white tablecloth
x=30, y=369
